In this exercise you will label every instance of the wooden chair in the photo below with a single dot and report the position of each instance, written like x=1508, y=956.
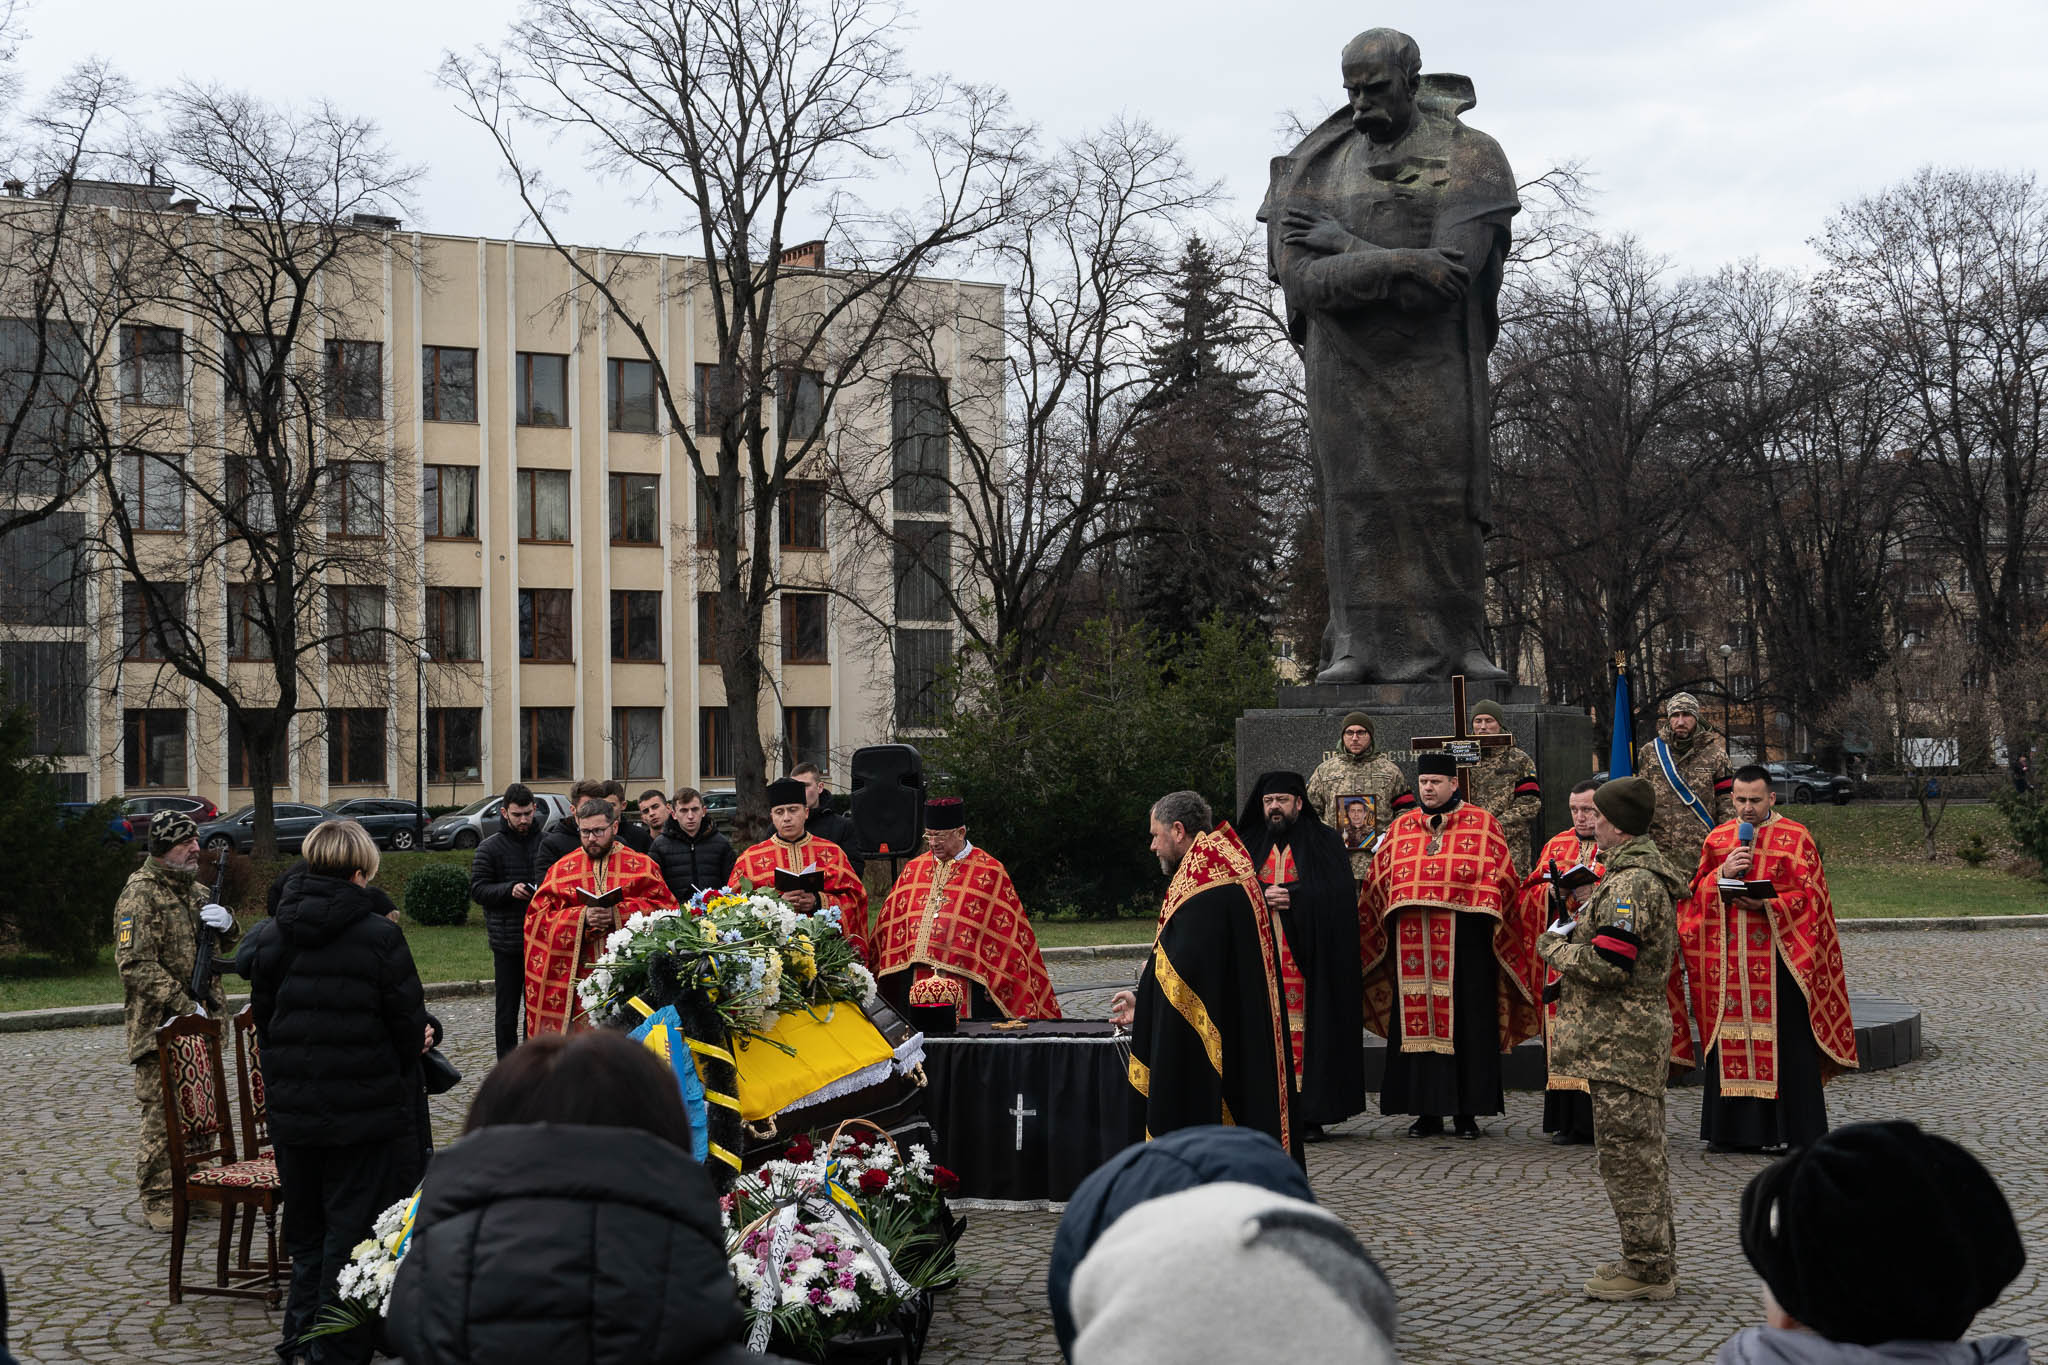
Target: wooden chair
x=201, y=1138
x=255, y=1125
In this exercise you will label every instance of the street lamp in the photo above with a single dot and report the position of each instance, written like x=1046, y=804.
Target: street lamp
x=1727, y=736
x=419, y=815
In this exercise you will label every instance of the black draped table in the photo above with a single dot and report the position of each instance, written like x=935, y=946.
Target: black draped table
x=1022, y=1115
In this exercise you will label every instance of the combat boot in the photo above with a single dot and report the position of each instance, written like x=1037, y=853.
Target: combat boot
x=1623, y=1288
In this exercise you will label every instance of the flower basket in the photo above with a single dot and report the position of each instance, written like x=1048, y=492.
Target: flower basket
x=837, y=1247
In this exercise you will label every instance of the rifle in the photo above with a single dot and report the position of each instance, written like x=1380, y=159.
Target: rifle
x=205, y=966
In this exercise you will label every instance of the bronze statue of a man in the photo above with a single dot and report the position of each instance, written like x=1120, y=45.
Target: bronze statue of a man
x=1386, y=229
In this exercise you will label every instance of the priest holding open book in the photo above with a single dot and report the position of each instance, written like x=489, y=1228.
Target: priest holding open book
x=586, y=894
x=1758, y=934
x=804, y=869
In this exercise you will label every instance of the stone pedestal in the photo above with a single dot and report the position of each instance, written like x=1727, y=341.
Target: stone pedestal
x=1307, y=723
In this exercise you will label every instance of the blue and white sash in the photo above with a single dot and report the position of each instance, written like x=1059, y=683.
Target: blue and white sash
x=1678, y=787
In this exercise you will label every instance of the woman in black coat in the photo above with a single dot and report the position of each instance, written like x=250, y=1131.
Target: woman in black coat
x=339, y=1011
x=568, y=1225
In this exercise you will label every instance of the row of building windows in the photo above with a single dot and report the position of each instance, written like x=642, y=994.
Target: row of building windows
x=155, y=624
x=153, y=374
x=150, y=490
x=154, y=745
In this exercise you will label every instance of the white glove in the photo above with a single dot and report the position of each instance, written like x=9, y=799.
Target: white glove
x=216, y=917
x=1564, y=926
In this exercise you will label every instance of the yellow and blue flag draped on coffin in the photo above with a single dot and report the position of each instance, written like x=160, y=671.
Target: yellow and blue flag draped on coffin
x=824, y=1045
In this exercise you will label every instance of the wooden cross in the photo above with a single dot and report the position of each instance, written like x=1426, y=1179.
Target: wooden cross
x=1465, y=747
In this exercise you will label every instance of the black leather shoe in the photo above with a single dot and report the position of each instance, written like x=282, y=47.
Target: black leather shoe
x=1562, y=1139
x=1314, y=1133
x=1429, y=1125
x=1466, y=1128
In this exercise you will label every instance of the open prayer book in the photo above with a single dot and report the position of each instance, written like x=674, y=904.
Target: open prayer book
x=1571, y=878
x=602, y=901
x=810, y=878
x=1735, y=888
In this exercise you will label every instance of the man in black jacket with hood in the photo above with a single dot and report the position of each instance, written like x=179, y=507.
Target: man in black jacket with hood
x=1306, y=876
x=501, y=880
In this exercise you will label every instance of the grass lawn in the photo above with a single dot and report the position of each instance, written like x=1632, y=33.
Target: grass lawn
x=1877, y=865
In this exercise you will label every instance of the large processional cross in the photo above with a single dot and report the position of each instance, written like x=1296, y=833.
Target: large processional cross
x=1465, y=748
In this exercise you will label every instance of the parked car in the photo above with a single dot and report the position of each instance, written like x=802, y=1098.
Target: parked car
x=393, y=823
x=720, y=807
x=138, y=809
x=1804, y=783
x=294, y=820
x=117, y=828
x=479, y=820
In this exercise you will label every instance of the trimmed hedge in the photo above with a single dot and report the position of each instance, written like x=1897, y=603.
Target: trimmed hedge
x=438, y=894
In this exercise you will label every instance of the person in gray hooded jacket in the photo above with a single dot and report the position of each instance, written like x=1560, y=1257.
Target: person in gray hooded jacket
x=1877, y=1245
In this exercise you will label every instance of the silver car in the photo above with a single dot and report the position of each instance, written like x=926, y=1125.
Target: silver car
x=479, y=820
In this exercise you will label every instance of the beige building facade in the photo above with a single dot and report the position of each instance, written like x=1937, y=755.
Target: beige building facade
x=537, y=512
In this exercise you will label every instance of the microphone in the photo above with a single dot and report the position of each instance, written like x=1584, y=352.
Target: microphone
x=1745, y=834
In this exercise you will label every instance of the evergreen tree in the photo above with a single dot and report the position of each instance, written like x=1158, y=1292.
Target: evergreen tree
x=1201, y=545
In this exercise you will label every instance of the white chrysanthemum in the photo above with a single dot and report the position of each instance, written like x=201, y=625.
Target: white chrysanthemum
x=795, y=1296
x=367, y=1245
x=841, y=1301
x=865, y=980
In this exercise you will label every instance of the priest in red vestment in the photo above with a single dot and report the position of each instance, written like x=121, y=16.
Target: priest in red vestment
x=1567, y=1100
x=1208, y=1025
x=953, y=939
x=564, y=935
x=794, y=850
x=1450, y=956
x=1768, y=991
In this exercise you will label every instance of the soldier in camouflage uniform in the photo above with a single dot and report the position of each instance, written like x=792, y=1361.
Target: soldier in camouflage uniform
x=1614, y=1028
x=156, y=943
x=1505, y=786
x=1358, y=769
x=1701, y=758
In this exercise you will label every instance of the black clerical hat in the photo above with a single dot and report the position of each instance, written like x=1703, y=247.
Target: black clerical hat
x=945, y=812
x=787, y=791
x=1438, y=762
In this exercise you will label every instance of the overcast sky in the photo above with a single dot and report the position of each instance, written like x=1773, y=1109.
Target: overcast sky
x=1715, y=132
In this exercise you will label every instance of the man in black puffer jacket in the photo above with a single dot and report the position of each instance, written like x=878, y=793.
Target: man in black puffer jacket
x=339, y=1012
x=569, y=1225
x=501, y=880
x=691, y=854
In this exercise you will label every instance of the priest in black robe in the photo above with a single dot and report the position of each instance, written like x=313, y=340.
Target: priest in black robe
x=1305, y=876
x=1208, y=1022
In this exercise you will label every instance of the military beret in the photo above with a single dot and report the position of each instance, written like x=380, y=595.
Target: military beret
x=168, y=829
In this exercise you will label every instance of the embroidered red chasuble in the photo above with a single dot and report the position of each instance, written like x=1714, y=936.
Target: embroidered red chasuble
x=559, y=950
x=842, y=888
x=1279, y=871
x=958, y=921
x=1731, y=957
x=1422, y=877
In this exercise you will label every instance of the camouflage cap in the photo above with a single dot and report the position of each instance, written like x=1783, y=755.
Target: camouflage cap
x=168, y=829
x=1683, y=701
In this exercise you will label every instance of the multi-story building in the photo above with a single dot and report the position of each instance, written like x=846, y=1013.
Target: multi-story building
x=540, y=519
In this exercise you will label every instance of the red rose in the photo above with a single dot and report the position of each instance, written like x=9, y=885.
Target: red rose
x=873, y=1182
x=800, y=1150
x=944, y=1179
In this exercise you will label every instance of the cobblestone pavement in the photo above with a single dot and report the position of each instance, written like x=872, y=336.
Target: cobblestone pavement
x=1486, y=1242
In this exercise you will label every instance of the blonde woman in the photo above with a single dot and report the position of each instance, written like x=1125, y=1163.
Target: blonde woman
x=339, y=1010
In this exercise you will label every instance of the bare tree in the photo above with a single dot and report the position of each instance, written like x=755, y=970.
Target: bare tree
x=1601, y=479
x=1947, y=274
x=1044, y=418
x=741, y=119
x=276, y=466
